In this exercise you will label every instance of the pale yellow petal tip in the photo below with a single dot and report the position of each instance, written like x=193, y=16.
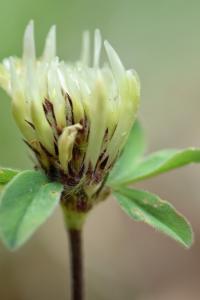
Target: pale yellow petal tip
x=115, y=62
x=50, y=45
x=66, y=143
x=4, y=79
x=29, y=43
x=29, y=28
x=85, y=53
x=97, y=47
x=133, y=77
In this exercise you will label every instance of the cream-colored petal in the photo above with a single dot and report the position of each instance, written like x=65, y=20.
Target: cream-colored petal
x=5, y=79
x=66, y=144
x=50, y=45
x=129, y=103
x=43, y=129
x=98, y=117
x=29, y=44
x=85, y=54
x=115, y=62
x=55, y=96
x=97, y=48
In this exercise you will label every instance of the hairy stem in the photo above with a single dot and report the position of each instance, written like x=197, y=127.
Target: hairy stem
x=75, y=240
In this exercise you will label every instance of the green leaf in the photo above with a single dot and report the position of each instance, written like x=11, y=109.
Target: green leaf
x=26, y=202
x=149, y=208
x=157, y=163
x=132, y=153
x=6, y=175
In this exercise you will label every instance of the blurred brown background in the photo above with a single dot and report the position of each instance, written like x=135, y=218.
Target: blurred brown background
x=123, y=259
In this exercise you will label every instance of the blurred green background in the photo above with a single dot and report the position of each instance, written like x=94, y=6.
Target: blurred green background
x=123, y=259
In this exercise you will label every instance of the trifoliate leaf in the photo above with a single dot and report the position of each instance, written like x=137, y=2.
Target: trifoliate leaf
x=149, y=208
x=157, y=163
x=26, y=202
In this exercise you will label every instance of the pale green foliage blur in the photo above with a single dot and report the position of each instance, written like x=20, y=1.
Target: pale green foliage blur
x=161, y=40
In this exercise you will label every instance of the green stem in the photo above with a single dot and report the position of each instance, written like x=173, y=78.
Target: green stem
x=75, y=240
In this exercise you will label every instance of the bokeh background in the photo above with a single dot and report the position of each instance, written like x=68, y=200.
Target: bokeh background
x=123, y=259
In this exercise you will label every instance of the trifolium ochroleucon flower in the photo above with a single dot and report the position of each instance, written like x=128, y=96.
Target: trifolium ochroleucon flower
x=75, y=117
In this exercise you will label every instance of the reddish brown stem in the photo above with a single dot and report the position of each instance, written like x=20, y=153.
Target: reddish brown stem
x=75, y=240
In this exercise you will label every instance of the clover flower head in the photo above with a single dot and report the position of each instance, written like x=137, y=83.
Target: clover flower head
x=75, y=117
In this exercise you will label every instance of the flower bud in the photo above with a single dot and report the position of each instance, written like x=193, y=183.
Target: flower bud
x=75, y=117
